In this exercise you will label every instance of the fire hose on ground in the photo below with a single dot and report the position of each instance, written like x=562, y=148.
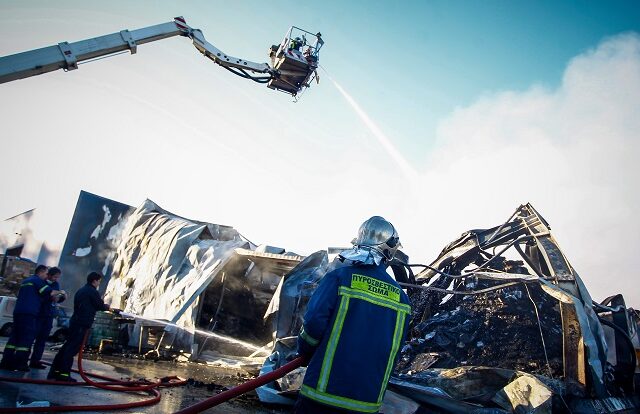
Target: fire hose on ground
x=243, y=388
x=112, y=384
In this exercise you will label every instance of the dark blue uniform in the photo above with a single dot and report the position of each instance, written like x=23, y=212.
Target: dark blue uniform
x=44, y=324
x=33, y=292
x=355, y=324
x=87, y=302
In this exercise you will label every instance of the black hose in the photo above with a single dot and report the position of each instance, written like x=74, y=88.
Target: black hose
x=259, y=79
x=462, y=292
x=412, y=277
x=476, y=270
x=243, y=74
x=450, y=276
x=513, y=242
x=528, y=260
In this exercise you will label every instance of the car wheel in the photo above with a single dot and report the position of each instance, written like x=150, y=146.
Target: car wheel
x=60, y=335
x=6, y=329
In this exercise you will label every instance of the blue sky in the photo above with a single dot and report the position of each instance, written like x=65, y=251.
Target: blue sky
x=441, y=55
x=463, y=90
x=410, y=62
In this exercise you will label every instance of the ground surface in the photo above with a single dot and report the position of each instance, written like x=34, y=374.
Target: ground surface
x=207, y=382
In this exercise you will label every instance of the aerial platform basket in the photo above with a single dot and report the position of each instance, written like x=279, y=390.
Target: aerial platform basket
x=295, y=60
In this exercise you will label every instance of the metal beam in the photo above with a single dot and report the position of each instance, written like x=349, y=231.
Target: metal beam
x=67, y=55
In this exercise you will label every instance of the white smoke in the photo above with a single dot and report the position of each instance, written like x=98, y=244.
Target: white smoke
x=573, y=152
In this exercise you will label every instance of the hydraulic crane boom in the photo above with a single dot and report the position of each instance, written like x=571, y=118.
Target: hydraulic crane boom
x=67, y=56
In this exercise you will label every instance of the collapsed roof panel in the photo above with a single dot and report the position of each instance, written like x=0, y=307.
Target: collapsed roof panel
x=164, y=262
x=92, y=240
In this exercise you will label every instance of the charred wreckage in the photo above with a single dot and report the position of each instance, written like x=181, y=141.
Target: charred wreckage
x=501, y=321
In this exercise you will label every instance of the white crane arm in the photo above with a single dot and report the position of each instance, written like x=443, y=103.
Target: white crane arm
x=67, y=55
x=291, y=70
x=223, y=59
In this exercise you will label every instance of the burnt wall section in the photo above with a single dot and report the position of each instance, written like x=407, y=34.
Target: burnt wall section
x=92, y=240
x=238, y=303
x=231, y=307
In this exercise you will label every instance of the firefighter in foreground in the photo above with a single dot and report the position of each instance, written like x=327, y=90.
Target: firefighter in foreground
x=87, y=302
x=354, y=326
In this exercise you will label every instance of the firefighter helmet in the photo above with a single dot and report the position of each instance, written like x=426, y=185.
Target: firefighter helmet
x=380, y=235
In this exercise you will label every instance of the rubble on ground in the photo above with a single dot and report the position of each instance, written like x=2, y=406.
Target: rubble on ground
x=501, y=323
x=498, y=329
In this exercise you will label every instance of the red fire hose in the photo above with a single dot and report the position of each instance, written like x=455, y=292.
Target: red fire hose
x=244, y=387
x=112, y=384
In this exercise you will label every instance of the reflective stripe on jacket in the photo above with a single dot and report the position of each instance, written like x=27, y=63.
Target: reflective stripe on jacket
x=48, y=306
x=33, y=291
x=355, y=324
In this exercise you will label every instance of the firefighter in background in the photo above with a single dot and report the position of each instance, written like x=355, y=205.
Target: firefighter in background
x=354, y=326
x=48, y=311
x=295, y=44
x=33, y=292
x=86, y=303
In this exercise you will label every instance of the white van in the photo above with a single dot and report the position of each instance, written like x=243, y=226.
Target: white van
x=8, y=303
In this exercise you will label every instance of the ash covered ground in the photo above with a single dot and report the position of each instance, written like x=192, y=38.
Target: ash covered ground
x=496, y=329
x=204, y=381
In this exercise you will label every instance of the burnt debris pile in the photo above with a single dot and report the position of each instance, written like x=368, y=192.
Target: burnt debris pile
x=501, y=320
x=497, y=329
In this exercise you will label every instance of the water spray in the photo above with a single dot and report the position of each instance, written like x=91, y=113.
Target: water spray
x=386, y=143
x=223, y=338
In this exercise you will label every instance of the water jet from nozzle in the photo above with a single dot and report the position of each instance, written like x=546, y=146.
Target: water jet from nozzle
x=386, y=143
x=220, y=337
